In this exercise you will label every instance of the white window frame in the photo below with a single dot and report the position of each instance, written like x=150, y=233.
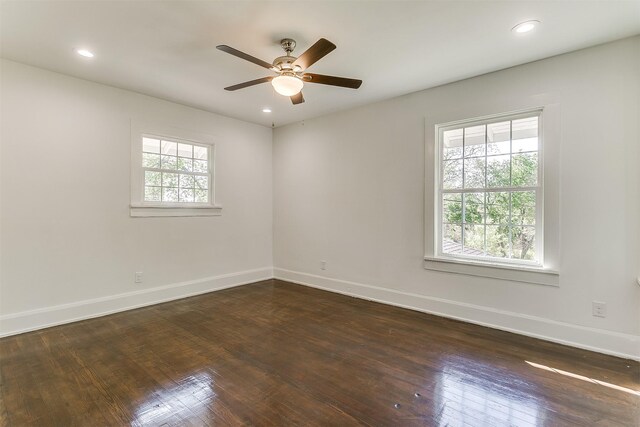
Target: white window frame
x=547, y=203
x=141, y=208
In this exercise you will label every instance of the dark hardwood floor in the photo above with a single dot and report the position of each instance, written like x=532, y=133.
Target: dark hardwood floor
x=275, y=353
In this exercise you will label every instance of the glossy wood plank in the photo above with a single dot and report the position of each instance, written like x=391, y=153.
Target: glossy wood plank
x=275, y=353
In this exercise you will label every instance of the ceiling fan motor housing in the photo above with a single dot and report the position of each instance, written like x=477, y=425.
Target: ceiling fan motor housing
x=285, y=63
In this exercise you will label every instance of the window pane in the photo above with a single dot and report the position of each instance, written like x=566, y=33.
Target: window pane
x=498, y=208
x=152, y=194
x=474, y=208
x=452, y=144
x=169, y=179
x=498, y=170
x=474, y=240
x=169, y=147
x=152, y=178
x=169, y=194
x=187, y=181
x=474, y=141
x=169, y=162
x=523, y=208
x=474, y=172
x=525, y=135
x=150, y=145
x=185, y=164
x=524, y=170
x=452, y=208
x=524, y=145
x=452, y=174
x=200, y=166
x=498, y=135
x=498, y=241
x=151, y=160
x=202, y=182
x=522, y=242
x=525, y=128
x=185, y=150
x=452, y=238
x=186, y=195
x=200, y=152
x=202, y=196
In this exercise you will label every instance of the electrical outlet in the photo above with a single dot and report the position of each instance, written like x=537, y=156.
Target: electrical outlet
x=323, y=265
x=138, y=277
x=599, y=309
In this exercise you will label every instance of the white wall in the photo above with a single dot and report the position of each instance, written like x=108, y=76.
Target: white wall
x=70, y=248
x=349, y=189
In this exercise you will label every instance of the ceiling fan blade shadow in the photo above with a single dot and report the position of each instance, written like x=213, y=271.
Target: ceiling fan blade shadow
x=245, y=56
x=331, y=80
x=249, y=83
x=321, y=48
x=297, y=98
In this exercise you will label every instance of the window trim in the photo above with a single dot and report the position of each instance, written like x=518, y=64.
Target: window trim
x=547, y=207
x=138, y=206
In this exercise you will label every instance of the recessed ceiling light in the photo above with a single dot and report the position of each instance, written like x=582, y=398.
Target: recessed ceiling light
x=85, y=53
x=525, y=27
x=266, y=110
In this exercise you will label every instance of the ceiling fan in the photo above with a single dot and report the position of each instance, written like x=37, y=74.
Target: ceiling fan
x=291, y=70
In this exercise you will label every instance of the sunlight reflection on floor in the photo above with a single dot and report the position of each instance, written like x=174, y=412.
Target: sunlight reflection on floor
x=583, y=378
x=465, y=399
x=187, y=394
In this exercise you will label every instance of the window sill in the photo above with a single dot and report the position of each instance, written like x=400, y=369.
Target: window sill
x=524, y=274
x=168, y=211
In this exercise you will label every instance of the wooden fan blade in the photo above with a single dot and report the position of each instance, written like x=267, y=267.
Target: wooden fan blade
x=249, y=83
x=245, y=56
x=297, y=98
x=331, y=80
x=314, y=53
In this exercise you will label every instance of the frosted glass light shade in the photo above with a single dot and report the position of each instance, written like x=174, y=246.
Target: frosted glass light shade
x=287, y=85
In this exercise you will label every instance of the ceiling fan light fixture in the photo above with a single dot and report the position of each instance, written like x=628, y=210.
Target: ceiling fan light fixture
x=287, y=85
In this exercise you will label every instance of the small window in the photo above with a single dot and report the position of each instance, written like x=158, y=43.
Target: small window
x=489, y=190
x=171, y=175
x=175, y=172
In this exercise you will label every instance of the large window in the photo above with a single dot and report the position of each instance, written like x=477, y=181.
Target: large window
x=489, y=190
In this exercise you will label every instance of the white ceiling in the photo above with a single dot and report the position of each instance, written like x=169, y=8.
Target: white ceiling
x=167, y=49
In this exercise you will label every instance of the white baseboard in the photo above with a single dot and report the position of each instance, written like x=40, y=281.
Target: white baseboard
x=12, y=324
x=602, y=341
x=599, y=340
